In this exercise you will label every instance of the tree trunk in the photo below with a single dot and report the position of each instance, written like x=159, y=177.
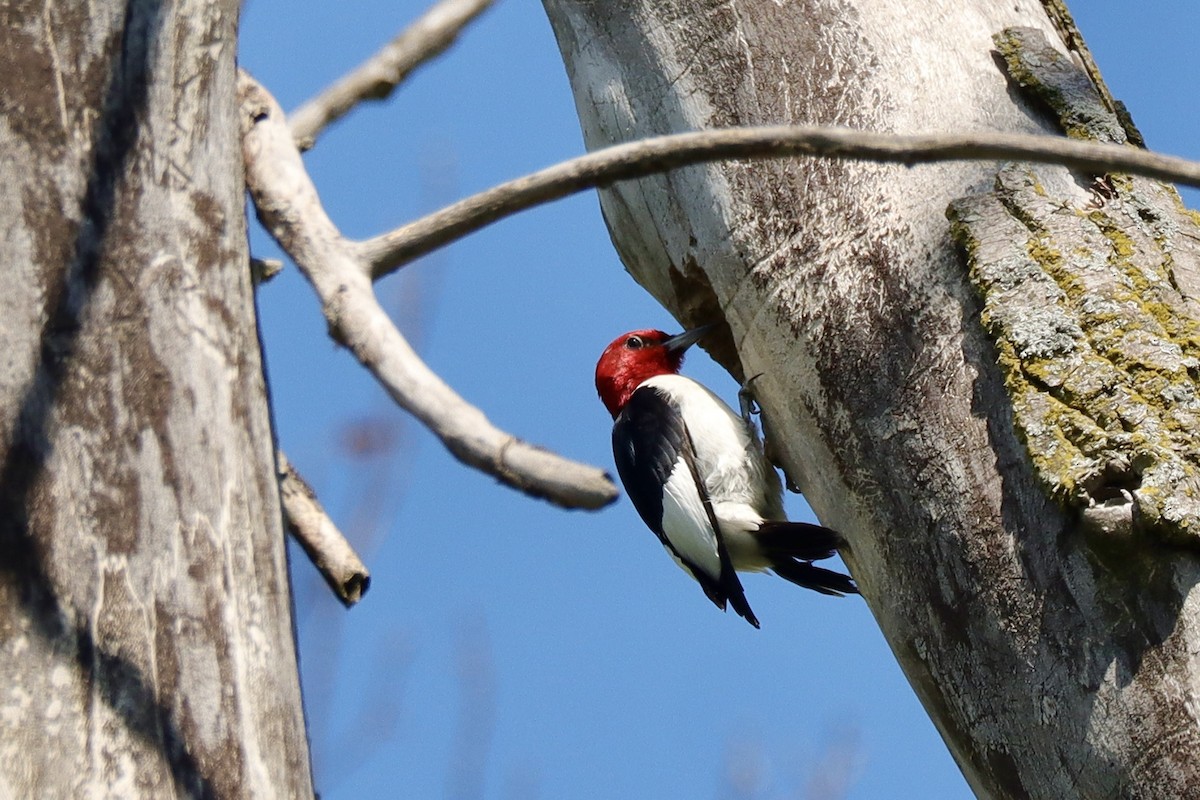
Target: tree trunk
x=146, y=644
x=998, y=416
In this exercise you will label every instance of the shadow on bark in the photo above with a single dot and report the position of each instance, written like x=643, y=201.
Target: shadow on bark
x=23, y=568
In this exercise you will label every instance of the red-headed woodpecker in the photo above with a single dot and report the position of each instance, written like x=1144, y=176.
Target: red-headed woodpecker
x=696, y=474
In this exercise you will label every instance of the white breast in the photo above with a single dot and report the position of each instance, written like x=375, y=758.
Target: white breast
x=743, y=487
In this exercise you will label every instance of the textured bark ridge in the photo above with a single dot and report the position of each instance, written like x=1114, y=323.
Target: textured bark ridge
x=1054, y=667
x=1093, y=307
x=145, y=623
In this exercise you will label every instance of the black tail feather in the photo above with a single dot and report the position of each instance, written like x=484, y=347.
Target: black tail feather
x=825, y=581
x=742, y=607
x=730, y=592
x=799, y=540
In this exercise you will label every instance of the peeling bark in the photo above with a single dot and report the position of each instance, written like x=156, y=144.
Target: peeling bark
x=145, y=614
x=1051, y=641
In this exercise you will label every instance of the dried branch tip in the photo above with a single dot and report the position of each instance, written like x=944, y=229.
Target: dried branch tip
x=327, y=548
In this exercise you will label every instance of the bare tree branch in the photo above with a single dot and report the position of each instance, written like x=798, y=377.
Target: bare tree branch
x=341, y=270
x=378, y=76
x=330, y=552
x=392, y=250
x=290, y=209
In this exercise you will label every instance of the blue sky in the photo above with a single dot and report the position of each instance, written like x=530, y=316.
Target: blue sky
x=508, y=649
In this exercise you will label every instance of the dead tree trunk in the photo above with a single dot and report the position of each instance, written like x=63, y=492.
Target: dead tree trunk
x=997, y=409
x=145, y=615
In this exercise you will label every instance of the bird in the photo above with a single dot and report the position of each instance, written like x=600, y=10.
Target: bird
x=698, y=477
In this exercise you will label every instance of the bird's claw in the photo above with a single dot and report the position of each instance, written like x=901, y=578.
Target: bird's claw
x=746, y=402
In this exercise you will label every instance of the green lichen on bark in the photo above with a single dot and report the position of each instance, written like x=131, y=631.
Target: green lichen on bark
x=1092, y=305
x=1068, y=32
x=1056, y=81
x=1098, y=346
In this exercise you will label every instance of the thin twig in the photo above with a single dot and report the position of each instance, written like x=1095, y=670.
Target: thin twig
x=378, y=76
x=389, y=251
x=289, y=208
x=327, y=548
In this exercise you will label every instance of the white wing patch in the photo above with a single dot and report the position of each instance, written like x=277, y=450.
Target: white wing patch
x=685, y=523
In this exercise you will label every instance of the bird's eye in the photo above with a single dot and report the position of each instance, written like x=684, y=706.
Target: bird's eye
x=634, y=342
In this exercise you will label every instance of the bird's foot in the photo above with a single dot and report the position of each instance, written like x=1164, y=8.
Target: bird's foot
x=747, y=403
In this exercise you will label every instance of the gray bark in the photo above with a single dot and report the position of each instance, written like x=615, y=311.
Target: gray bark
x=1042, y=607
x=146, y=644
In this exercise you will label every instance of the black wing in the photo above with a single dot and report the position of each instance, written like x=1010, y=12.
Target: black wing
x=650, y=438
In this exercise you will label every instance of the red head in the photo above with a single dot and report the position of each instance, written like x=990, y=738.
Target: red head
x=637, y=356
